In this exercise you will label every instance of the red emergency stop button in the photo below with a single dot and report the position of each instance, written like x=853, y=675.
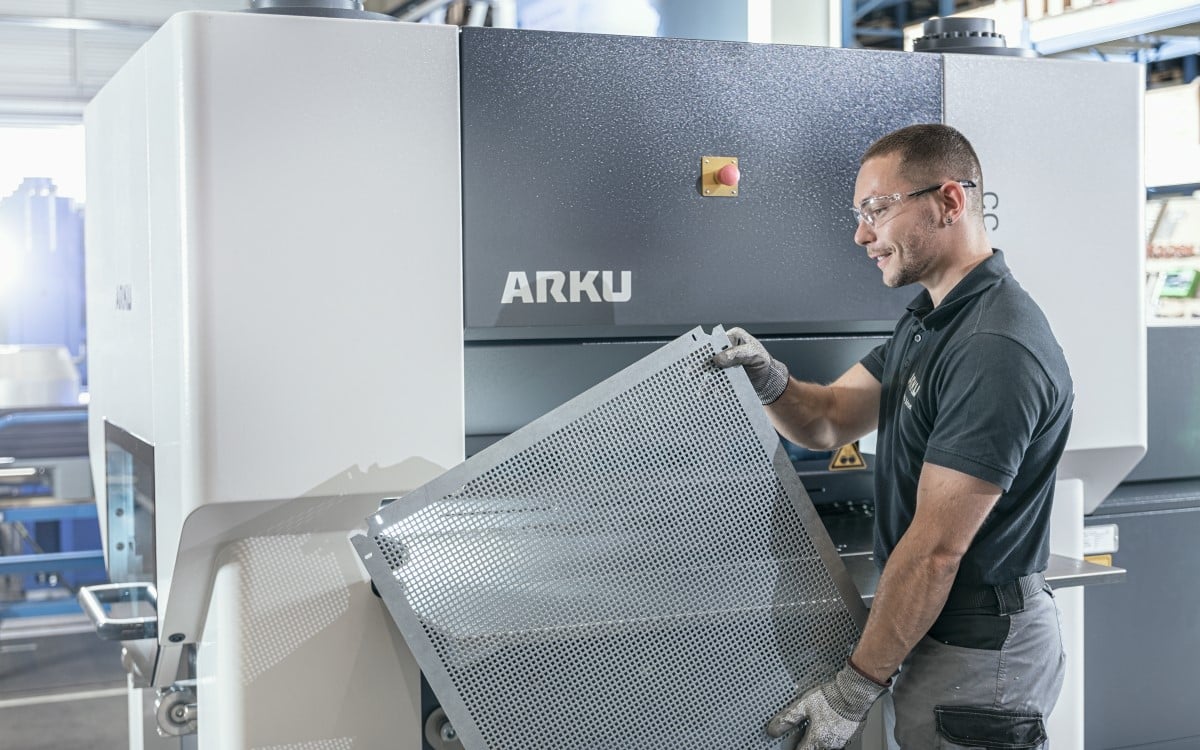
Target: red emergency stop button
x=719, y=176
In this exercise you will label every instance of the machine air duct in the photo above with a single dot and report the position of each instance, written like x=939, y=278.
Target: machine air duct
x=639, y=568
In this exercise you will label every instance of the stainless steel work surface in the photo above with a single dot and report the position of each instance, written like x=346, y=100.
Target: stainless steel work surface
x=639, y=567
x=852, y=534
x=1061, y=572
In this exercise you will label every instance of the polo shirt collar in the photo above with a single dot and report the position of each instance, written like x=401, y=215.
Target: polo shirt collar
x=981, y=277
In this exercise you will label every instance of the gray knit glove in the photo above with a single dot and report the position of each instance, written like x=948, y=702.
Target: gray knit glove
x=768, y=375
x=834, y=712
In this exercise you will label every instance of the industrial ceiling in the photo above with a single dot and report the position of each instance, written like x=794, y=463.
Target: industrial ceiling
x=56, y=54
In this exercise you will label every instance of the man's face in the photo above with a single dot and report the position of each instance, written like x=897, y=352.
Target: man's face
x=902, y=240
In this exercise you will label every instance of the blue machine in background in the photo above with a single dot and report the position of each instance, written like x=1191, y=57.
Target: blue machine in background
x=41, y=269
x=49, y=535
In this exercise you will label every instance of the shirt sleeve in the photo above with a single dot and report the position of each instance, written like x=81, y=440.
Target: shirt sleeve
x=875, y=359
x=992, y=398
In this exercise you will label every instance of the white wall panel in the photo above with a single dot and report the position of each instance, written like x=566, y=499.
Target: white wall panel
x=1173, y=135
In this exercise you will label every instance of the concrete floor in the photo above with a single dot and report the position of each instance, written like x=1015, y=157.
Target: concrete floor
x=79, y=719
x=61, y=687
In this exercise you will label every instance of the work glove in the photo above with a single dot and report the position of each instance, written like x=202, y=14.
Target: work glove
x=768, y=375
x=834, y=712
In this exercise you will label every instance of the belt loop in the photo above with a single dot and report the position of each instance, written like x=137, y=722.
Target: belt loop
x=1010, y=597
x=1000, y=600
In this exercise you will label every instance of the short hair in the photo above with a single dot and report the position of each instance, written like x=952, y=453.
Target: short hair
x=932, y=152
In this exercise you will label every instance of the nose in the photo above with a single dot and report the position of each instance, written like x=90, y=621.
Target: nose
x=863, y=233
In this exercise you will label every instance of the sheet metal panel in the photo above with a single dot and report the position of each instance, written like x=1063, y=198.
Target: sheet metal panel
x=642, y=563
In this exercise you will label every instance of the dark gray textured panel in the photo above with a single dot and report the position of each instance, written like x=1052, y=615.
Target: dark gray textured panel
x=508, y=386
x=638, y=568
x=1173, y=411
x=1142, y=636
x=582, y=152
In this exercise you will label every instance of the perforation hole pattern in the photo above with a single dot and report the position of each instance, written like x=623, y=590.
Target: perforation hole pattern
x=638, y=576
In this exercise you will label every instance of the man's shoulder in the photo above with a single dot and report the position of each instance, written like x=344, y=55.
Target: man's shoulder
x=1006, y=309
x=1009, y=323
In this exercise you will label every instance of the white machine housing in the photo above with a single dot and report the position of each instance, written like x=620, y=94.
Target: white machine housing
x=1064, y=208
x=275, y=306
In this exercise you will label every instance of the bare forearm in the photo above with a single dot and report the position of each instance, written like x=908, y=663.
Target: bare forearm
x=910, y=596
x=806, y=414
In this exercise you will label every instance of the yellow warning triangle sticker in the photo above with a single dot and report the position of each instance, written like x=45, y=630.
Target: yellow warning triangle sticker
x=847, y=457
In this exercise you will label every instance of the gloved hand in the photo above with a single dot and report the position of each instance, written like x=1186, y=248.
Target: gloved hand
x=835, y=711
x=768, y=375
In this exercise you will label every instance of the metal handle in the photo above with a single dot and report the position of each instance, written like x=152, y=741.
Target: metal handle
x=93, y=599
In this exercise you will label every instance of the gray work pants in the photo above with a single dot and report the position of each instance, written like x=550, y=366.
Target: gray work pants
x=985, y=676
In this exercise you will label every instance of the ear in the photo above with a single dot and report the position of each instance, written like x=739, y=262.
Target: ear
x=953, y=197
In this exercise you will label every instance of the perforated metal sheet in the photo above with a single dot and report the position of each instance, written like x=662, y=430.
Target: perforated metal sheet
x=638, y=568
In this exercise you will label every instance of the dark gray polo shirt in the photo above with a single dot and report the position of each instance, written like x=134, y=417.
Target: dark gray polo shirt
x=980, y=385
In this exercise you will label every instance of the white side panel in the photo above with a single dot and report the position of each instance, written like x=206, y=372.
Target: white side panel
x=1065, y=724
x=298, y=653
x=117, y=235
x=218, y=662
x=1061, y=146
x=323, y=250
x=300, y=206
x=167, y=191
x=289, y=211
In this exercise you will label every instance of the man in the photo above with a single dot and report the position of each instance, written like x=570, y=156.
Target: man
x=972, y=401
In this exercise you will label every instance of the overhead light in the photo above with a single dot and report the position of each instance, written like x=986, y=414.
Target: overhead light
x=75, y=24
x=24, y=471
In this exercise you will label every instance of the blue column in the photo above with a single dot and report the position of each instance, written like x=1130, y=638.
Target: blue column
x=849, y=21
x=1190, y=65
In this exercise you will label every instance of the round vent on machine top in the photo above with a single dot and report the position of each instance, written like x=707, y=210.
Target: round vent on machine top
x=968, y=35
x=321, y=8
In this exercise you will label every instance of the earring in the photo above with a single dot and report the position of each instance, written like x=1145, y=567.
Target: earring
x=949, y=221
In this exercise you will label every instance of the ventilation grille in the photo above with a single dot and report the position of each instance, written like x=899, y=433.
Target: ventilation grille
x=640, y=566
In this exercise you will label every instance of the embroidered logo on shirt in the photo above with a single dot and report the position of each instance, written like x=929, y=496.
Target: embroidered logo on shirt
x=914, y=387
